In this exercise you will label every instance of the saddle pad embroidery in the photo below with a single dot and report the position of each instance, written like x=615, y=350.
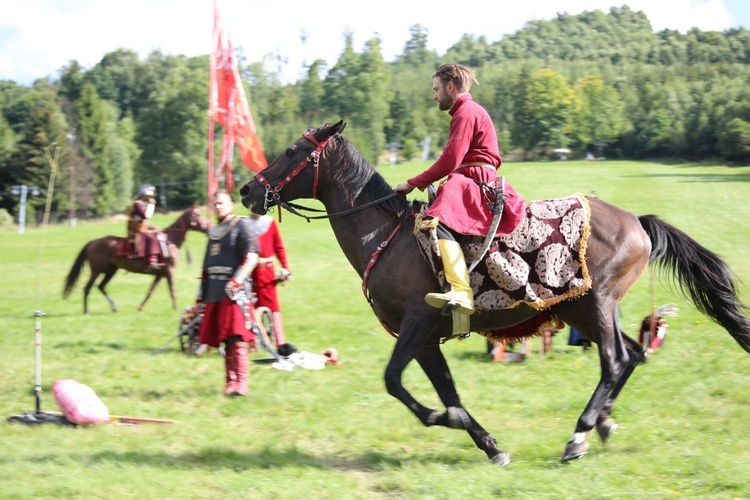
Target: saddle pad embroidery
x=542, y=262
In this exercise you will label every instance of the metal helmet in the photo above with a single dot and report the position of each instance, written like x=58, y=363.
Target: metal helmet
x=145, y=190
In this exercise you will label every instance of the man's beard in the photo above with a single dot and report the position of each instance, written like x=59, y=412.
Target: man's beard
x=444, y=104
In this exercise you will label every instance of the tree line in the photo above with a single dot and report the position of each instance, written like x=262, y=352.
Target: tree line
x=599, y=82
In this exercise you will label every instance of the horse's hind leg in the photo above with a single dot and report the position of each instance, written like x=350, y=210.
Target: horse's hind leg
x=605, y=425
x=619, y=355
x=433, y=362
x=108, y=275
x=87, y=289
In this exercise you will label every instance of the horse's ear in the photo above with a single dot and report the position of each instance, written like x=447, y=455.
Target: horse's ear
x=338, y=127
x=195, y=204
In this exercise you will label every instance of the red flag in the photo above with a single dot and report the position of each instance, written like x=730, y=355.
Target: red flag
x=230, y=109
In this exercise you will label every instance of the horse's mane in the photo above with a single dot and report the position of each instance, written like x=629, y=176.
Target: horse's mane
x=361, y=178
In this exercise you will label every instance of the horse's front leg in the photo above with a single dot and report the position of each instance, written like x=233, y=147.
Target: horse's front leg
x=157, y=279
x=433, y=362
x=407, y=346
x=170, y=283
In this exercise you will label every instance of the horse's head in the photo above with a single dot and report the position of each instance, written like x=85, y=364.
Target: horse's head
x=293, y=174
x=195, y=221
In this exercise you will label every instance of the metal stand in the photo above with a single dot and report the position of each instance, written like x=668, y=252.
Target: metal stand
x=39, y=416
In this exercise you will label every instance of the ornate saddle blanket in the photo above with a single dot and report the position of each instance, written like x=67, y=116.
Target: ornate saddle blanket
x=150, y=244
x=542, y=262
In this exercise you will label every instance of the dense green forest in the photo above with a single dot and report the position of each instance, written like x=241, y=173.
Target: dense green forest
x=599, y=82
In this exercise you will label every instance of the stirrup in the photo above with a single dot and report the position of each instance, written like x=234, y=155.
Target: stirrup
x=449, y=308
x=450, y=304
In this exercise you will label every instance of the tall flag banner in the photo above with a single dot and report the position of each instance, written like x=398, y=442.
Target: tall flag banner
x=229, y=108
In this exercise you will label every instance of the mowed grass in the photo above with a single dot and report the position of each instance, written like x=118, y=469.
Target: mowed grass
x=335, y=433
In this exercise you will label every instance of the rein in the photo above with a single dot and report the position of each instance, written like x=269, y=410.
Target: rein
x=293, y=207
x=272, y=196
x=181, y=226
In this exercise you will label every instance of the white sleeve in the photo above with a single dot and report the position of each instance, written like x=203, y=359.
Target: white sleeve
x=251, y=260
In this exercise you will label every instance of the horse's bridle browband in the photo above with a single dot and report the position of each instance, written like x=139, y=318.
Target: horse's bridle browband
x=272, y=193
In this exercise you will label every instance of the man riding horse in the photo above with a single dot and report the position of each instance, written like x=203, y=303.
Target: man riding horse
x=467, y=200
x=141, y=243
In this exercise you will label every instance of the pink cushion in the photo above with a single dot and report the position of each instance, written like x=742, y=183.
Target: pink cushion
x=79, y=403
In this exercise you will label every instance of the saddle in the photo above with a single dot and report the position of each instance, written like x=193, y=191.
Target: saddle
x=150, y=244
x=540, y=263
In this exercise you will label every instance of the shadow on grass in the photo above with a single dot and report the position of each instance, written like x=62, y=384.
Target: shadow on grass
x=216, y=459
x=688, y=177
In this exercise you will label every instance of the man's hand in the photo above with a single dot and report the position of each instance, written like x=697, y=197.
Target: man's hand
x=233, y=286
x=404, y=188
x=284, y=274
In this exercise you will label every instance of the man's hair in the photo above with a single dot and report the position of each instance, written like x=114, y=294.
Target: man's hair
x=221, y=192
x=461, y=76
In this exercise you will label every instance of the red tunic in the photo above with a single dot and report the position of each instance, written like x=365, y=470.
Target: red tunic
x=459, y=203
x=264, y=275
x=221, y=320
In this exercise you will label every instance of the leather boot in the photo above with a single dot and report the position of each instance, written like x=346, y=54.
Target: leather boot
x=243, y=369
x=153, y=262
x=230, y=366
x=460, y=298
x=278, y=329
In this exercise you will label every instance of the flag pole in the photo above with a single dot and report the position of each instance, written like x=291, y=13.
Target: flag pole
x=212, y=98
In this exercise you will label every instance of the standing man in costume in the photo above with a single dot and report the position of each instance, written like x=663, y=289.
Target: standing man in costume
x=142, y=243
x=231, y=255
x=470, y=161
x=264, y=275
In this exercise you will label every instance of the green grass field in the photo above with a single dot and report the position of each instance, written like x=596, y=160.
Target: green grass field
x=336, y=433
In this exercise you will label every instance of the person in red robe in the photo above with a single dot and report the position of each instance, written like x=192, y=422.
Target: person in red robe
x=264, y=276
x=470, y=161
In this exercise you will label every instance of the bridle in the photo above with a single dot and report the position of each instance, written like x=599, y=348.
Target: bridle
x=184, y=225
x=272, y=196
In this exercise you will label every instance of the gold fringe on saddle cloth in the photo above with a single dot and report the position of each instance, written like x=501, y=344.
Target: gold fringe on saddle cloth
x=540, y=263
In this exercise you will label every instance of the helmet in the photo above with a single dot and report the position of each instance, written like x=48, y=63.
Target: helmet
x=145, y=190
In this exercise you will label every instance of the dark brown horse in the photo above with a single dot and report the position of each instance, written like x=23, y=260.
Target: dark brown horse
x=105, y=256
x=364, y=215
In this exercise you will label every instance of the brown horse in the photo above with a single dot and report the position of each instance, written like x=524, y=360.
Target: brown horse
x=105, y=256
x=374, y=228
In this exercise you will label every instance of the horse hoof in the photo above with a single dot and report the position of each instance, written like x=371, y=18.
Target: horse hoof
x=458, y=418
x=606, y=428
x=501, y=459
x=575, y=450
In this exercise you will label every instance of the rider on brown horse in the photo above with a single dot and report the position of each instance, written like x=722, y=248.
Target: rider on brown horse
x=466, y=201
x=142, y=244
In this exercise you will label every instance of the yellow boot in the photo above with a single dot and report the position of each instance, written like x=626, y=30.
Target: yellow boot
x=460, y=298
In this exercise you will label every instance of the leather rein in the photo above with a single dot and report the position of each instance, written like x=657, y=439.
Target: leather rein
x=272, y=196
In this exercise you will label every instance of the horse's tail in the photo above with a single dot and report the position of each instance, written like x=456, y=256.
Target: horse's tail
x=701, y=276
x=75, y=271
